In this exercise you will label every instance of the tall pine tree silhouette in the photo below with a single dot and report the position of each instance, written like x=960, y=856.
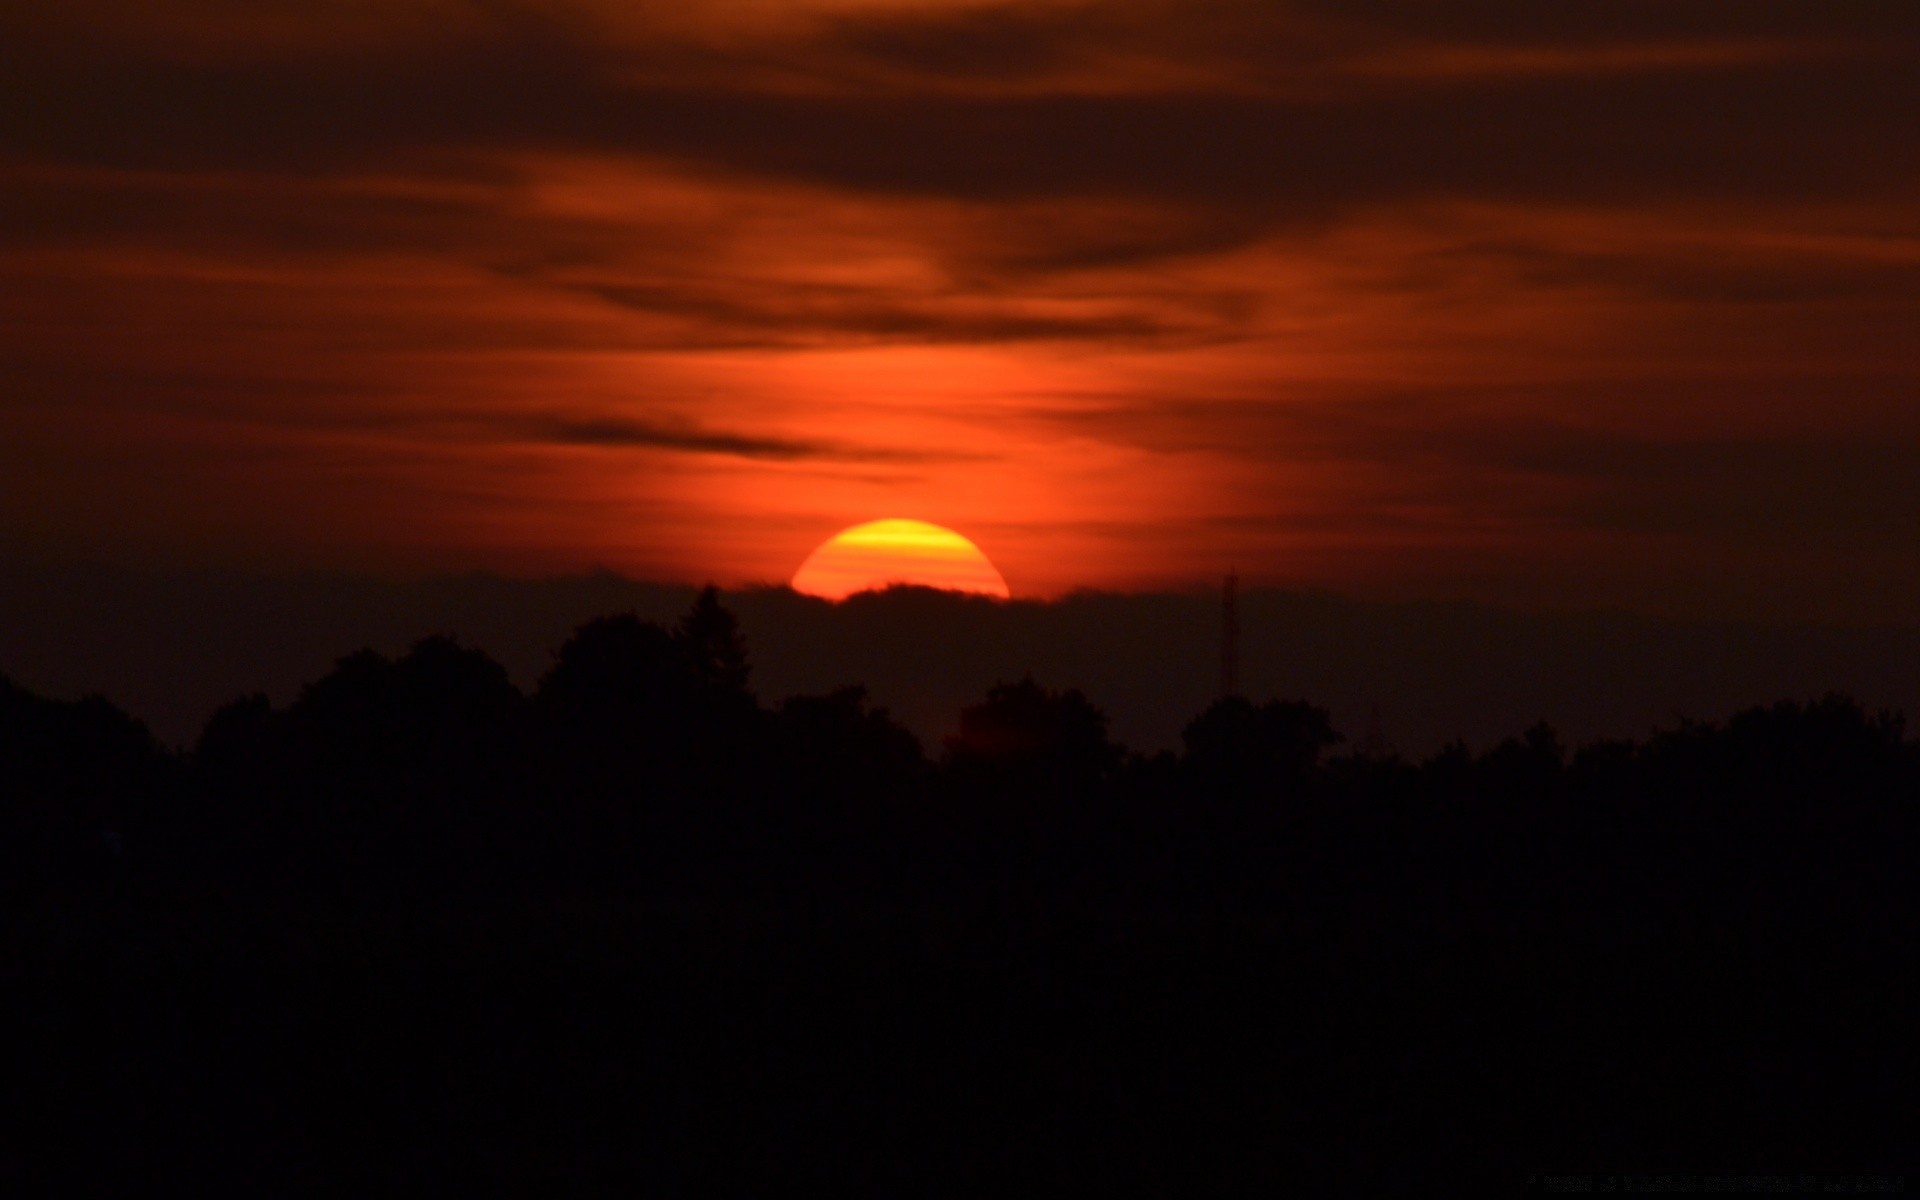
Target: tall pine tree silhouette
x=712, y=635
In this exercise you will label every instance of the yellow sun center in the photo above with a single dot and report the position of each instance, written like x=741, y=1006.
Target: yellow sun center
x=882, y=553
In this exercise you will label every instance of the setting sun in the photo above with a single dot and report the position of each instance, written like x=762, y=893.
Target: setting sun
x=879, y=554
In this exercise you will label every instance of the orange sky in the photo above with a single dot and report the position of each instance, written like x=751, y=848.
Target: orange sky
x=1543, y=307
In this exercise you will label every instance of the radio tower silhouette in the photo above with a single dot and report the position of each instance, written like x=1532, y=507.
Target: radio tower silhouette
x=1230, y=637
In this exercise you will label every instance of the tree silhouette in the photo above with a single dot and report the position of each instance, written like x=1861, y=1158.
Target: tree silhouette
x=1039, y=737
x=1241, y=748
x=387, y=769
x=621, y=669
x=651, y=746
x=1528, y=766
x=75, y=778
x=415, y=899
x=840, y=744
x=711, y=634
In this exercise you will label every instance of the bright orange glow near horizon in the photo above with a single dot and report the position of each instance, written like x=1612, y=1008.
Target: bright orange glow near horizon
x=1519, y=304
x=881, y=554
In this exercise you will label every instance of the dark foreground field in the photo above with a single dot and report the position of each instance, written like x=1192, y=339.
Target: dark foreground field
x=420, y=930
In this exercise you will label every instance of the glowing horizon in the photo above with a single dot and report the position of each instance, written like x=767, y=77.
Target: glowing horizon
x=896, y=551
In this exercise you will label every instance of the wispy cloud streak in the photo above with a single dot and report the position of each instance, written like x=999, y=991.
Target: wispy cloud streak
x=1484, y=298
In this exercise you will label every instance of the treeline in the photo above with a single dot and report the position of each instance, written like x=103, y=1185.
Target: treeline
x=637, y=925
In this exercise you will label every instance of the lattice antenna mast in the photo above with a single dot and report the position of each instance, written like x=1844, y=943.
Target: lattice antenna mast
x=1230, y=636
